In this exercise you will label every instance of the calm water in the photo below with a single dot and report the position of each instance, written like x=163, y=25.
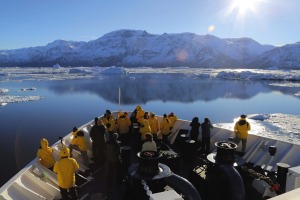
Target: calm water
x=72, y=103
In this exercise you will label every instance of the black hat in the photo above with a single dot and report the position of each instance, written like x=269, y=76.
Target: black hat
x=108, y=112
x=243, y=116
x=75, y=129
x=80, y=133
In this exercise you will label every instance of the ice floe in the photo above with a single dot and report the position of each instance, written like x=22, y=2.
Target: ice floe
x=260, y=75
x=17, y=99
x=5, y=98
x=63, y=73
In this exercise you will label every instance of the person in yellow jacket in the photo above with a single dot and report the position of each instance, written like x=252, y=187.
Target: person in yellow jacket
x=145, y=126
x=45, y=154
x=165, y=128
x=123, y=126
x=110, y=122
x=65, y=168
x=78, y=142
x=173, y=118
x=139, y=113
x=241, y=129
x=153, y=121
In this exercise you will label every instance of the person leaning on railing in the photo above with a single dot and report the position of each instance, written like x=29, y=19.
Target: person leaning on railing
x=45, y=154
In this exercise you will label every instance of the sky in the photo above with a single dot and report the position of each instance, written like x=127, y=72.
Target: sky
x=31, y=23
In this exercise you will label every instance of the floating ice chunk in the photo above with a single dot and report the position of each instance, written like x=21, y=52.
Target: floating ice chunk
x=260, y=117
x=3, y=90
x=3, y=104
x=17, y=99
x=289, y=84
x=25, y=89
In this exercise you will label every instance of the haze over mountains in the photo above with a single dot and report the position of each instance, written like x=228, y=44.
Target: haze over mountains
x=135, y=48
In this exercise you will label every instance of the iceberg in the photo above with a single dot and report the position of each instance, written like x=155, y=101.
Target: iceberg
x=114, y=70
x=56, y=66
x=3, y=90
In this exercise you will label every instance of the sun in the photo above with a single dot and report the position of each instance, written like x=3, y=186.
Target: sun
x=243, y=6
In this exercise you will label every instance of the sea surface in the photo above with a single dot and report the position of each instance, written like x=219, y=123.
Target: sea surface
x=64, y=104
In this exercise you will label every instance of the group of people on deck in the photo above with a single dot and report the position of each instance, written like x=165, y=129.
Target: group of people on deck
x=65, y=167
x=142, y=130
x=107, y=134
x=148, y=123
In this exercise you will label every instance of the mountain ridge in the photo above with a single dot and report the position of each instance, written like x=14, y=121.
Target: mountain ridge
x=132, y=48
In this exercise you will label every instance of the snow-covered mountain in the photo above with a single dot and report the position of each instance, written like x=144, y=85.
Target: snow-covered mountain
x=130, y=48
x=285, y=57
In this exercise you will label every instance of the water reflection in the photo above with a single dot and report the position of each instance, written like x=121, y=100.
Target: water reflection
x=143, y=88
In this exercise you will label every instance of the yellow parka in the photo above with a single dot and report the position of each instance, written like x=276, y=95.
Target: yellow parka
x=241, y=128
x=65, y=169
x=145, y=128
x=123, y=124
x=173, y=118
x=139, y=114
x=45, y=154
x=153, y=121
x=80, y=142
x=165, y=126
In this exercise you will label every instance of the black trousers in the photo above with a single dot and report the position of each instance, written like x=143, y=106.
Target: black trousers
x=205, y=144
x=68, y=194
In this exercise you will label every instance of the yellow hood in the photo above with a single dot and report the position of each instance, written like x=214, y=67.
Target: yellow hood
x=65, y=152
x=44, y=143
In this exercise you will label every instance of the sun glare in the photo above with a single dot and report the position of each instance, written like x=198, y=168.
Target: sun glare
x=243, y=6
x=211, y=28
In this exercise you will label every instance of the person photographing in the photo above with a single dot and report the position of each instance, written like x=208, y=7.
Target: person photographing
x=241, y=129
